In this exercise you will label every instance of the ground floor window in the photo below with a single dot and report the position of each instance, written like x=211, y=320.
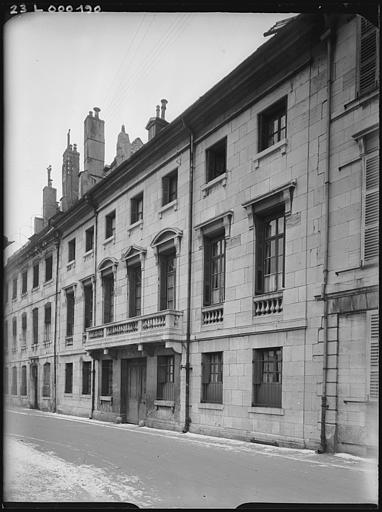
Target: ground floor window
x=212, y=377
x=23, y=389
x=46, y=380
x=14, y=381
x=69, y=378
x=86, y=377
x=267, y=377
x=165, y=380
x=107, y=377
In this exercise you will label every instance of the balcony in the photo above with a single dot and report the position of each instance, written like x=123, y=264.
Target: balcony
x=268, y=304
x=161, y=326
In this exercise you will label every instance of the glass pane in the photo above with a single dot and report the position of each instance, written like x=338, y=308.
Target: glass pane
x=280, y=224
x=273, y=265
x=280, y=246
x=273, y=247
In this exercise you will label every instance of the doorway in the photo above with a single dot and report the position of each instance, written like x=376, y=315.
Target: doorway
x=133, y=389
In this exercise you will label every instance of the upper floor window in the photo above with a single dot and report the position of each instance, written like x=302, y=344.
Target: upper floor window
x=24, y=327
x=214, y=269
x=212, y=377
x=47, y=321
x=108, y=296
x=72, y=250
x=273, y=124
x=165, y=378
x=14, y=288
x=368, y=57
x=24, y=281
x=134, y=273
x=69, y=312
x=371, y=172
x=35, y=325
x=89, y=239
x=216, y=160
x=267, y=374
x=36, y=274
x=88, y=304
x=170, y=187
x=48, y=267
x=110, y=224
x=137, y=208
x=14, y=333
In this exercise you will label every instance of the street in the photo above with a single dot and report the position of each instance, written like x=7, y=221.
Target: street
x=51, y=457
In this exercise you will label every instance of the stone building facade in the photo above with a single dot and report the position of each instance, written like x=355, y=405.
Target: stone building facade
x=222, y=278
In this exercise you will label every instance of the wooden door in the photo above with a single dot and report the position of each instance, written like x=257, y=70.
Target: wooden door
x=133, y=376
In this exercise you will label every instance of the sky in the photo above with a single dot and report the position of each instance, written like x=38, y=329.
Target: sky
x=58, y=66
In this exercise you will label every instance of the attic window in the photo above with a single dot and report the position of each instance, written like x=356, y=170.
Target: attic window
x=273, y=125
x=216, y=160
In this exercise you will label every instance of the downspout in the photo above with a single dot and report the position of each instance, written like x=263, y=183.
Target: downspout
x=90, y=201
x=189, y=275
x=55, y=327
x=328, y=35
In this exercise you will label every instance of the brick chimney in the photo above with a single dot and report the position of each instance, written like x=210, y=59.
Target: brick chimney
x=156, y=124
x=49, y=199
x=94, y=151
x=70, y=175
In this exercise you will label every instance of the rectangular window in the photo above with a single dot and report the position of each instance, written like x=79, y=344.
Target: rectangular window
x=167, y=281
x=270, y=242
x=14, y=334
x=69, y=378
x=88, y=305
x=107, y=377
x=212, y=378
x=273, y=125
x=135, y=290
x=368, y=57
x=108, y=297
x=24, y=282
x=89, y=239
x=214, y=270
x=371, y=199
x=110, y=224
x=47, y=321
x=14, y=381
x=165, y=378
x=23, y=387
x=69, y=312
x=48, y=267
x=24, y=328
x=170, y=187
x=14, y=288
x=72, y=250
x=35, y=325
x=36, y=274
x=86, y=377
x=137, y=208
x=216, y=160
x=267, y=372
x=46, y=380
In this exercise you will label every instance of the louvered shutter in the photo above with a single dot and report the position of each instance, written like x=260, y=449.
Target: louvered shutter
x=374, y=356
x=207, y=272
x=368, y=57
x=371, y=207
x=259, y=279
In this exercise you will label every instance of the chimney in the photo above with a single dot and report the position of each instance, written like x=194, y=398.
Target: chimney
x=49, y=199
x=156, y=124
x=38, y=224
x=94, y=150
x=70, y=175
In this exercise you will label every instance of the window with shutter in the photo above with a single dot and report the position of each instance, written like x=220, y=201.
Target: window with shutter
x=374, y=355
x=371, y=207
x=368, y=57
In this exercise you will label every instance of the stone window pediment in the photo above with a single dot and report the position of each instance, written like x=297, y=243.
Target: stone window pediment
x=108, y=265
x=166, y=239
x=133, y=255
x=213, y=226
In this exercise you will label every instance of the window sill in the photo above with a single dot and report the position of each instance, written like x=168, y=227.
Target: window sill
x=24, y=347
x=47, y=343
x=215, y=407
x=85, y=396
x=135, y=225
x=35, y=289
x=70, y=265
x=69, y=395
x=367, y=96
x=34, y=346
x=24, y=294
x=108, y=241
x=88, y=255
x=279, y=146
x=68, y=341
x=173, y=205
x=106, y=399
x=361, y=400
x=267, y=410
x=50, y=281
x=46, y=397
x=222, y=179
x=164, y=403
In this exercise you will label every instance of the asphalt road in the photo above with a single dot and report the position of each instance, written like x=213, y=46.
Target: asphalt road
x=187, y=470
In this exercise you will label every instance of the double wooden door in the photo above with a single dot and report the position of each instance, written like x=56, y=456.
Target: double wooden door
x=133, y=389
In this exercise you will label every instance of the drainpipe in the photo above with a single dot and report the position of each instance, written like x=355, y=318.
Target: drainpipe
x=328, y=35
x=189, y=275
x=91, y=202
x=55, y=326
